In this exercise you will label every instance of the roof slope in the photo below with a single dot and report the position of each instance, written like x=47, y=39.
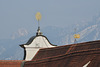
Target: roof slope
x=75, y=55
x=60, y=50
x=51, y=52
x=11, y=63
x=76, y=59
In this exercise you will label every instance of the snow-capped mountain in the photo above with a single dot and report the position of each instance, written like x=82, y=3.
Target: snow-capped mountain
x=89, y=31
x=20, y=32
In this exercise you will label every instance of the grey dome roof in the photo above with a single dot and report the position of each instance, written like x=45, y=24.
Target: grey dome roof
x=30, y=40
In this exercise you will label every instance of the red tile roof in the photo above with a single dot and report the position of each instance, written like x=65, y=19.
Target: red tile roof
x=75, y=55
x=60, y=50
x=50, y=52
x=76, y=59
x=11, y=63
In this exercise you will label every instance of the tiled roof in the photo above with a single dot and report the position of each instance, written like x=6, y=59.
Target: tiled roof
x=75, y=55
x=11, y=63
x=73, y=60
x=60, y=50
x=50, y=52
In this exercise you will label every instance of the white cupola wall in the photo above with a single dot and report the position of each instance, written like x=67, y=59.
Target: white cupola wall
x=34, y=44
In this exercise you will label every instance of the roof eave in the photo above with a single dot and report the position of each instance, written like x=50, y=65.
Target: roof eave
x=22, y=45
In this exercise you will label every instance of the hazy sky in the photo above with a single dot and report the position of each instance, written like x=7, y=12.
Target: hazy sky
x=16, y=14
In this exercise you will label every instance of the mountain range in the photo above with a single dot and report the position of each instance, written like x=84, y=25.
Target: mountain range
x=89, y=31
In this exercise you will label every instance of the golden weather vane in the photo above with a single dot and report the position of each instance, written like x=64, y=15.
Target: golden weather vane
x=38, y=17
x=76, y=36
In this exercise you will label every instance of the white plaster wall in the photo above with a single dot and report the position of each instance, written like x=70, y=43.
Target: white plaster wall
x=33, y=48
x=30, y=53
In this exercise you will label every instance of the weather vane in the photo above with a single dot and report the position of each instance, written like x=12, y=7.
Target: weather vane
x=76, y=36
x=38, y=18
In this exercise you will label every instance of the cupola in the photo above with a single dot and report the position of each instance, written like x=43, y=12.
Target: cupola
x=34, y=44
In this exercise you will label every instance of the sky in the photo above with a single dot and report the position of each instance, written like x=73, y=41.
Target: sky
x=17, y=14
